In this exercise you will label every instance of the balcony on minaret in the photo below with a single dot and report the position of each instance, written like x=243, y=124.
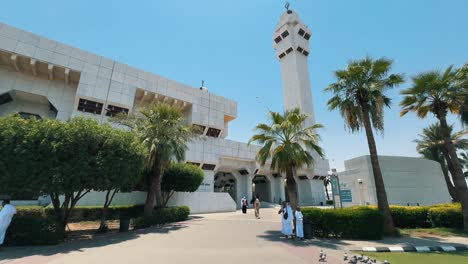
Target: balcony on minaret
x=291, y=34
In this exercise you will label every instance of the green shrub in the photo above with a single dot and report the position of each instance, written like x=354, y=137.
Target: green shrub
x=410, y=216
x=330, y=202
x=357, y=222
x=33, y=229
x=162, y=216
x=93, y=213
x=450, y=216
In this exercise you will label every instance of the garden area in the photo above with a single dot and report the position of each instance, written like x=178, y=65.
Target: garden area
x=421, y=258
x=67, y=160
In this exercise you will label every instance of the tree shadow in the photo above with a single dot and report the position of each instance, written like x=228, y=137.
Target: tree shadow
x=346, y=244
x=12, y=253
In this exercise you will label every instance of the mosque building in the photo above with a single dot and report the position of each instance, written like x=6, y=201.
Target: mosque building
x=47, y=79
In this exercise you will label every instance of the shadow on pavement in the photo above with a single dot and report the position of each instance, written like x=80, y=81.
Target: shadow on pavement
x=341, y=244
x=11, y=253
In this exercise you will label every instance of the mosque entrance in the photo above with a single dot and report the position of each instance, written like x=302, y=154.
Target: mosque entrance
x=261, y=186
x=226, y=182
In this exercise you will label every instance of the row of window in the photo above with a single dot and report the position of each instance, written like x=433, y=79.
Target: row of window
x=285, y=33
x=93, y=107
x=304, y=34
x=212, y=132
x=290, y=49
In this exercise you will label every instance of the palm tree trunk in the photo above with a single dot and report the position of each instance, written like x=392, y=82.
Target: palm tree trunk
x=448, y=163
x=291, y=187
x=457, y=175
x=326, y=191
x=382, y=202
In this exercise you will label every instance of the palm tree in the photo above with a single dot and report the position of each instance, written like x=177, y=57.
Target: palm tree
x=462, y=81
x=439, y=93
x=431, y=146
x=288, y=144
x=163, y=130
x=359, y=95
x=464, y=162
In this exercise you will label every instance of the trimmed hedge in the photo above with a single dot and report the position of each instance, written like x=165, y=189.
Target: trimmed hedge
x=446, y=217
x=410, y=216
x=330, y=202
x=162, y=216
x=356, y=222
x=33, y=229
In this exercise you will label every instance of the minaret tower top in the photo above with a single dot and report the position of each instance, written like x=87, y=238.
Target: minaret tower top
x=291, y=43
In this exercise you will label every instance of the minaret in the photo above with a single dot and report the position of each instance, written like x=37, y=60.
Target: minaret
x=291, y=42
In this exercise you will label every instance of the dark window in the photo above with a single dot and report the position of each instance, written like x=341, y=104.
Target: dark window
x=285, y=34
x=5, y=98
x=199, y=129
x=316, y=177
x=307, y=36
x=305, y=52
x=276, y=175
x=194, y=163
x=322, y=177
x=90, y=106
x=282, y=55
x=213, y=132
x=113, y=110
x=301, y=32
x=303, y=177
x=207, y=166
x=289, y=50
x=300, y=49
x=278, y=39
x=243, y=172
x=29, y=115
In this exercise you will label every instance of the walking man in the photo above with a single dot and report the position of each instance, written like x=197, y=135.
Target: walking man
x=5, y=218
x=257, y=207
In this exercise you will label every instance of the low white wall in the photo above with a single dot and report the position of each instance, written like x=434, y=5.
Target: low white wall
x=199, y=202
x=204, y=202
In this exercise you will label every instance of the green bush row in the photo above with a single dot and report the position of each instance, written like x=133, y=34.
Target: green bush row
x=162, y=216
x=439, y=215
x=35, y=225
x=357, y=222
x=33, y=229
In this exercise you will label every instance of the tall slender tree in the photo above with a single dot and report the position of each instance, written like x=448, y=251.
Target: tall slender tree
x=359, y=95
x=439, y=93
x=288, y=144
x=163, y=130
x=431, y=146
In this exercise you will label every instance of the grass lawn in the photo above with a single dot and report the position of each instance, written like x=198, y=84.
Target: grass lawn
x=440, y=231
x=423, y=258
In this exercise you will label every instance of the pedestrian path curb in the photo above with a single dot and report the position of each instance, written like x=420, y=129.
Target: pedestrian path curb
x=412, y=249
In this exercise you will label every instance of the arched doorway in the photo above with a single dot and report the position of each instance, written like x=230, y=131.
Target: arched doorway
x=226, y=182
x=261, y=186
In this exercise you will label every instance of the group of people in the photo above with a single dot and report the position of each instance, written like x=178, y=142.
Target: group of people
x=6, y=214
x=287, y=221
x=256, y=203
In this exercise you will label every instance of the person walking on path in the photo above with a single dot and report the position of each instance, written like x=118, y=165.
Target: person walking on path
x=286, y=219
x=7, y=213
x=244, y=205
x=299, y=223
x=257, y=207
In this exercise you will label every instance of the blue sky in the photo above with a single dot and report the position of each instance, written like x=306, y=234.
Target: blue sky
x=229, y=45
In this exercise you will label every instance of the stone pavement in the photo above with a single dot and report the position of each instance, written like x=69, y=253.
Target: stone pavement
x=209, y=238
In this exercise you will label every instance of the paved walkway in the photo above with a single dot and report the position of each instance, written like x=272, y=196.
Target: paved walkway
x=208, y=238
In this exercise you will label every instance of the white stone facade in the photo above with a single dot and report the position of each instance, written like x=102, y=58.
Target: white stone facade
x=407, y=180
x=53, y=80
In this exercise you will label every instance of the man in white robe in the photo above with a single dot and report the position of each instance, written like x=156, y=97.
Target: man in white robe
x=6, y=214
x=299, y=223
x=286, y=219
